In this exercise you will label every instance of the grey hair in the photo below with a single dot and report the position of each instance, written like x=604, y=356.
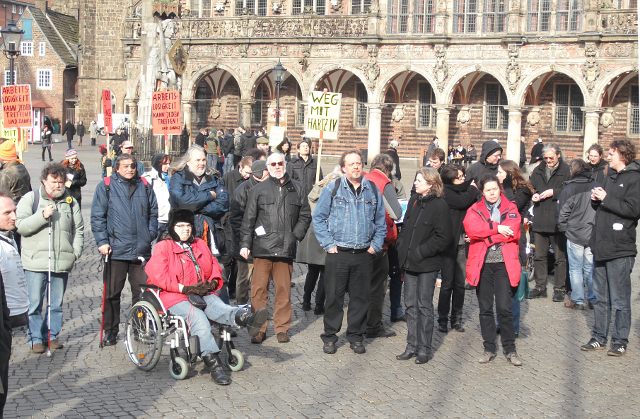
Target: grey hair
x=275, y=155
x=180, y=163
x=552, y=146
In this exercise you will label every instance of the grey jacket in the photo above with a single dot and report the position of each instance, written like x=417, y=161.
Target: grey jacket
x=576, y=214
x=67, y=233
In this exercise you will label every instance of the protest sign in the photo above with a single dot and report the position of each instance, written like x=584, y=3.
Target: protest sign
x=323, y=115
x=16, y=106
x=106, y=109
x=165, y=113
x=276, y=136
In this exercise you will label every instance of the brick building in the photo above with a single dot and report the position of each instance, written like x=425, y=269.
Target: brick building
x=48, y=62
x=466, y=71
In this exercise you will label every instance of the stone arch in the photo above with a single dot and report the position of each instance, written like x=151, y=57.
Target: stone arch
x=521, y=91
x=446, y=97
x=386, y=77
x=189, y=88
x=262, y=71
x=601, y=88
x=326, y=70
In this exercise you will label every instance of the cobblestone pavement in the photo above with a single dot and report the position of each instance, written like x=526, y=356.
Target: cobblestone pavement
x=298, y=380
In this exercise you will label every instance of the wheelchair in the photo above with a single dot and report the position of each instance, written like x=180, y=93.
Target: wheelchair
x=150, y=327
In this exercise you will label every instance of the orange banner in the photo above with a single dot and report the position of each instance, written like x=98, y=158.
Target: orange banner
x=16, y=106
x=165, y=113
x=106, y=110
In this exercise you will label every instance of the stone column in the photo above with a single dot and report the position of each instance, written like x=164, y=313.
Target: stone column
x=591, y=121
x=187, y=106
x=442, y=126
x=375, y=126
x=245, y=113
x=513, y=134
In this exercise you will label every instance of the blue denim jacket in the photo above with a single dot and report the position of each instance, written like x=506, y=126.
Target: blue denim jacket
x=349, y=221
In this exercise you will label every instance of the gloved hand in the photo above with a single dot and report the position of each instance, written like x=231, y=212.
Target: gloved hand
x=212, y=285
x=201, y=288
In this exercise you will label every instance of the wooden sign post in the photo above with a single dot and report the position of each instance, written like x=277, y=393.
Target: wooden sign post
x=322, y=119
x=165, y=115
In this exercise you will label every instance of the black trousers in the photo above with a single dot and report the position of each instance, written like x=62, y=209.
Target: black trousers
x=48, y=148
x=379, y=274
x=559, y=243
x=4, y=379
x=346, y=272
x=494, y=284
x=315, y=274
x=452, y=287
x=117, y=275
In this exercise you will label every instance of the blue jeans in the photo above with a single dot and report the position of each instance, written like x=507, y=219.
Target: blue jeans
x=580, y=271
x=37, y=288
x=198, y=320
x=612, y=287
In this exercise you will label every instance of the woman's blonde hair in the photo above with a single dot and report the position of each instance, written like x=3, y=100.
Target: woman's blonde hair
x=432, y=176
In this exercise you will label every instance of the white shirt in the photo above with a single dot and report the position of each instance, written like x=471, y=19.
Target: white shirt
x=15, y=281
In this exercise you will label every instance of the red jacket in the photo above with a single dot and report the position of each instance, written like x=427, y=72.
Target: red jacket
x=484, y=233
x=171, y=265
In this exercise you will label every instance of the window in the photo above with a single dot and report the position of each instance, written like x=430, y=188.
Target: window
x=27, y=27
x=251, y=7
x=42, y=47
x=299, y=107
x=6, y=77
x=494, y=16
x=464, y=16
x=426, y=111
x=568, y=101
x=14, y=9
x=568, y=15
x=538, y=15
x=44, y=79
x=256, y=108
x=200, y=8
x=361, y=106
x=398, y=16
x=306, y=6
x=360, y=6
x=423, y=19
x=26, y=48
x=410, y=16
x=634, y=112
x=495, y=115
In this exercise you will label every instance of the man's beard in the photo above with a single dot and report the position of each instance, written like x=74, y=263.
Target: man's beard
x=198, y=172
x=56, y=194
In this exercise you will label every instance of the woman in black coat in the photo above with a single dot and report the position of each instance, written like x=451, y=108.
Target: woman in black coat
x=459, y=195
x=76, y=175
x=425, y=234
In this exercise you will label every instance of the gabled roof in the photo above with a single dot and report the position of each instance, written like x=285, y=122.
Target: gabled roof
x=61, y=31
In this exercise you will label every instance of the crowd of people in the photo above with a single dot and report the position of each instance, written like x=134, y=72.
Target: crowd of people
x=233, y=214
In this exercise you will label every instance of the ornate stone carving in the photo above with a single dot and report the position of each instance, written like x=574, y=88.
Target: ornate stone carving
x=464, y=116
x=591, y=68
x=619, y=22
x=277, y=6
x=513, y=68
x=336, y=5
x=372, y=69
x=398, y=113
x=306, y=54
x=617, y=50
x=533, y=118
x=374, y=8
x=216, y=106
x=220, y=6
x=441, y=68
x=607, y=119
x=243, y=50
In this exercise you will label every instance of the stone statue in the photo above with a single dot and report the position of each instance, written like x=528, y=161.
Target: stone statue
x=165, y=75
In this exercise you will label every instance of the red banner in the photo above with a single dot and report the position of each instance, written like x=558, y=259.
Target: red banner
x=165, y=113
x=16, y=106
x=106, y=110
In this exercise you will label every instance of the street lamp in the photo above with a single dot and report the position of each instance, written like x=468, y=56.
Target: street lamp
x=11, y=37
x=278, y=72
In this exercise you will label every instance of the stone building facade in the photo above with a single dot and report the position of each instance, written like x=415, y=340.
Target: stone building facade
x=465, y=71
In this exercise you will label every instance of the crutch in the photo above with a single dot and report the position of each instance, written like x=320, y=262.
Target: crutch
x=49, y=293
x=105, y=278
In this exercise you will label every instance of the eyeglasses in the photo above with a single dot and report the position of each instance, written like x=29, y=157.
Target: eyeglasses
x=461, y=176
x=276, y=163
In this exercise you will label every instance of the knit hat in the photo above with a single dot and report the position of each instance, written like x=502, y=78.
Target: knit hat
x=258, y=167
x=70, y=153
x=180, y=216
x=8, y=151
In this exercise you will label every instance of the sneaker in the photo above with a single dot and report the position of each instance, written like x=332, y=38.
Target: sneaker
x=514, y=359
x=442, y=328
x=592, y=345
x=37, y=348
x=458, y=327
x=537, y=293
x=358, y=347
x=283, y=337
x=617, y=349
x=486, y=357
x=558, y=296
x=329, y=348
x=55, y=344
x=578, y=306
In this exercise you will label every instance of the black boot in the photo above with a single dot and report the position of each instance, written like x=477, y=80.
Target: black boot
x=218, y=374
x=252, y=321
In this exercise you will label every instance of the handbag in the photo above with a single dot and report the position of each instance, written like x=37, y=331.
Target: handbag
x=523, y=286
x=197, y=301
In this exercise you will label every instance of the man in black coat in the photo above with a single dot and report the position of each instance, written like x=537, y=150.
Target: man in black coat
x=303, y=168
x=613, y=243
x=488, y=163
x=536, y=152
x=69, y=130
x=547, y=180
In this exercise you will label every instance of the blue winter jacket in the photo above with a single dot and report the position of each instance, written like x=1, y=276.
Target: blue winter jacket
x=126, y=219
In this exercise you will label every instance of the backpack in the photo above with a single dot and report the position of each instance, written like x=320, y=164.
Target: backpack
x=107, y=184
x=36, y=201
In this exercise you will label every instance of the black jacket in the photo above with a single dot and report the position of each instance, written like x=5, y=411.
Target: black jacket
x=282, y=211
x=238, y=202
x=79, y=180
x=396, y=162
x=599, y=172
x=459, y=198
x=614, y=234
x=576, y=214
x=545, y=213
x=520, y=196
x=481, y=168
x=232, y=180
x=69, y=130
x=226, y=145
x=536, y=153
x=425, y=235
x=304, y=172
x=247, y=142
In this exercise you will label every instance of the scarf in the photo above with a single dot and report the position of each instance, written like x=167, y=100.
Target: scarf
x=494, y=214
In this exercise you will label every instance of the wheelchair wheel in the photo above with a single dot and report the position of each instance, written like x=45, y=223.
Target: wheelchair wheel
x=179, y=368
x=143, y=336
x=236, y=360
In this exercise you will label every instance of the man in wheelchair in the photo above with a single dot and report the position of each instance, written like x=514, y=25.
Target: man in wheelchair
x=189, y=278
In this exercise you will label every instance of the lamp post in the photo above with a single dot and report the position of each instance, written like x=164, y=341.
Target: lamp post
x=11, y=37
x=278, y=72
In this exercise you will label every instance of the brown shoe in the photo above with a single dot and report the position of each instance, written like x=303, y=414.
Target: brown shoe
x=259, y=338
x=283, y=337
x=55, y=344
x=37, y=348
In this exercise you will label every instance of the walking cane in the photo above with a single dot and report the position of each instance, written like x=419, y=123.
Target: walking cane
x=105, y=278
x=49, y=293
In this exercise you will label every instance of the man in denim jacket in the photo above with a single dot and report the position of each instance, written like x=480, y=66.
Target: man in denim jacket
x=349, y=225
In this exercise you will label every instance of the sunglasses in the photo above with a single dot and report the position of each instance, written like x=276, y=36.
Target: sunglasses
x=127, y=148
x=276, y=163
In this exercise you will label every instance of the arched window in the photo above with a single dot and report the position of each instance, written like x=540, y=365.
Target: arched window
x=569, y=116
